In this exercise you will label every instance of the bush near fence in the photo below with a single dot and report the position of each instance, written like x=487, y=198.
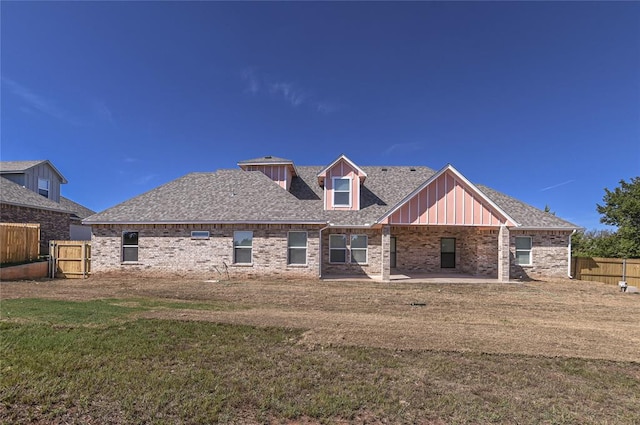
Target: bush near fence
x=607, y=270
x=19, y=242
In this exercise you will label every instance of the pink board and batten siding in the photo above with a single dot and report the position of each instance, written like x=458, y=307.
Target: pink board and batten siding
x=278, y=173
x=448, y=201
x=342, y=169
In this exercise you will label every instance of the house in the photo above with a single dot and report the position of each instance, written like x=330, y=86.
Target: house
x=30, y=193
x=270, y=217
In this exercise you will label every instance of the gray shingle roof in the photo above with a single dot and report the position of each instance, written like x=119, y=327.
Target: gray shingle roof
x=14, y=194
x=79, y=210
x=267, y=160
x=250, y=196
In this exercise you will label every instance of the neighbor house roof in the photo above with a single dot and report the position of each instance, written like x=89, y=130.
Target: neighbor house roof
x=238, y=196
x=79, y=210
x=13, y=194
x=14, y=167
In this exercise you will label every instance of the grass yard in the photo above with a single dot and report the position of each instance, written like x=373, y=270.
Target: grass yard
x=178, y=351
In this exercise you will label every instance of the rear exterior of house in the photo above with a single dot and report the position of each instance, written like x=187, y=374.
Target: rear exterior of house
x=270, y=218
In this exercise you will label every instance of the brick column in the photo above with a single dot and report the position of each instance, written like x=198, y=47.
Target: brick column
x=386, y=254
x=504, y=263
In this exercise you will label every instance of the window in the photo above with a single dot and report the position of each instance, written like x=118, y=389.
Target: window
x=199, y=234
x=242, y=247
x=523, y=250
x=342, y=192
x=43, y=187
x=359, y=249
x=297, y=248
x=129, y=246
x=337, y=248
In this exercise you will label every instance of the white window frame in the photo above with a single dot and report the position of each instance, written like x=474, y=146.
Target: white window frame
x=333, y=180
x=47, y=189
x=122, y=247
x=338, y=249
x=289, y=247
x=365, y=249
x=530, y=250
x=242, y=247
x=200, y=234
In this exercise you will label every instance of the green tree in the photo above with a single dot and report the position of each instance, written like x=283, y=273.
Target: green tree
x=595, y=243
x=621, y=208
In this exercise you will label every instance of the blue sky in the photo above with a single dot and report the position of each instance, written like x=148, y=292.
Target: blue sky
x=539, y=100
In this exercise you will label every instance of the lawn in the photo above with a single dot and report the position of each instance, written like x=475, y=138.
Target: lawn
x=179, y=351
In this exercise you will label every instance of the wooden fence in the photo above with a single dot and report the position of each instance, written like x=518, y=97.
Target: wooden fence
x=607, y=270
x=70, y=259
x=19, y=242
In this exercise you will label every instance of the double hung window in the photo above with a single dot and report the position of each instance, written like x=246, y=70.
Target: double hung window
x=129, y=246
x=242, y=247
x=523, y=250
x=297, y=248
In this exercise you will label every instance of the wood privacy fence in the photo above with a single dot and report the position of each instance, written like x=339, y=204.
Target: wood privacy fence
x=607, y=270
x=19, y=242
x=70, y=259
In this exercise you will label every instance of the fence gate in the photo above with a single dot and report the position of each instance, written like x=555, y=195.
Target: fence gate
x=70, y=259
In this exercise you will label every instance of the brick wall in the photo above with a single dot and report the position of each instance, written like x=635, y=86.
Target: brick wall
x=549, y=254
x=373, y=266
x=168, y=250
x=53, y=225
x=418, y=249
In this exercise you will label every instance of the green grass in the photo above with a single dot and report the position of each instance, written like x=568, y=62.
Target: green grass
x=95, y=361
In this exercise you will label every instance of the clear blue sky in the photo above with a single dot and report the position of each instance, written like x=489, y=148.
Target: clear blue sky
x=539, y=100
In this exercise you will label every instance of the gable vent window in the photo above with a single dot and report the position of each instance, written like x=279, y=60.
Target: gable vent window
x=129, y=247
x=43, y=187
x=342, y=192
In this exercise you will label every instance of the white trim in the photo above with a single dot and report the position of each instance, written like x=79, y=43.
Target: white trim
x=122, y=245
x=366, y=249
x=333, y=190
x=235, y=262
x=351, y=163
x=530, y=250
x=306, y=248
x=345, y=249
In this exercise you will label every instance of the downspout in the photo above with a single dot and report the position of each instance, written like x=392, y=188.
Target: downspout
x=320, y=249
x=569, y=266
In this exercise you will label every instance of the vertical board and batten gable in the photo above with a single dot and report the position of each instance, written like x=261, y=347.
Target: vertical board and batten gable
x=342, y=168
x=448, y=199
x=28, y=178
x=278, y=173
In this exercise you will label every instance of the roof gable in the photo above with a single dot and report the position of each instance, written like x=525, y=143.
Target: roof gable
x=447, y=198
x=17, y=167
x=13, y=194
x=323, y=173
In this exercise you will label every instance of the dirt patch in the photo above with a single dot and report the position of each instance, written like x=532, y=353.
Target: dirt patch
x=554, y=318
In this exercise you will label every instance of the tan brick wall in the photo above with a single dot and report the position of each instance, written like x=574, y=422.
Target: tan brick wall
x=549, y=254
x=166, y=250
x=418, y=249
x=374, y=253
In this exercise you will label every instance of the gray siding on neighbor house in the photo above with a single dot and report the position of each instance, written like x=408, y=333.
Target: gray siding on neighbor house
x=43, y=171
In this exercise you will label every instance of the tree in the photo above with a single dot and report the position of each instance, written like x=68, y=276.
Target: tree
x=547, y=209
x=622, y=209
x=595, y=243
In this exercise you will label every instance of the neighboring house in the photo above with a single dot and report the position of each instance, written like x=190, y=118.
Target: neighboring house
x=30, y=193
x=272, y=218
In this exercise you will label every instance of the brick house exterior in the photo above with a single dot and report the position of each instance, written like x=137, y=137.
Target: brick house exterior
x=30, y=193
x=272, y=218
